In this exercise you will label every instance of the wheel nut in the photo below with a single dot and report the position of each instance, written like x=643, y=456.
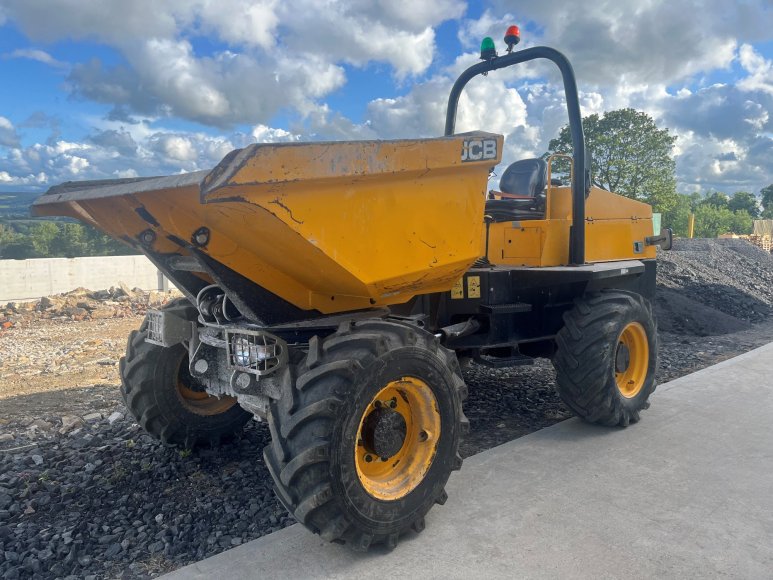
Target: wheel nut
x=385, y=459
x=368, y=458
x=393, y=403
x=423, y=436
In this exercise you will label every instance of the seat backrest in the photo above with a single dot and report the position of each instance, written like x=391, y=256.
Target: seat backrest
x=525, y=177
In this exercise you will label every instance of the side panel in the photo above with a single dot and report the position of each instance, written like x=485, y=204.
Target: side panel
x=615, y=229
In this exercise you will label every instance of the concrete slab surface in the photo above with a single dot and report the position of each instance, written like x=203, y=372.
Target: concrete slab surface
x=685, y=493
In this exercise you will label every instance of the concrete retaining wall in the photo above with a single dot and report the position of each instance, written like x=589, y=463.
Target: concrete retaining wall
x=30, y=279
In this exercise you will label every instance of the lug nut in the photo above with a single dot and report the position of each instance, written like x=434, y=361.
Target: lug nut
x=393, y=403
x=423, y=436
x=368, y=458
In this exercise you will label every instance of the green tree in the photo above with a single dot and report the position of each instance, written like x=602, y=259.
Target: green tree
x=766, y=193
x=717, y=199
x=631, y=156
x=677, y=218
x=712, y=221
x=42, y=235
x=743, y=200
x=69, y=242
x=742, y=222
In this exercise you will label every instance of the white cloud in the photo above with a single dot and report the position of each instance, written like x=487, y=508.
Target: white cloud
x=279, y=54
x=289, y=56
x=265, y=134
x=760, y=71
x=114, y=151
x=8, y=135
x=37, y=55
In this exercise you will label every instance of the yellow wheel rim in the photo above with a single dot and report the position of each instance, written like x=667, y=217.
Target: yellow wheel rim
x=632, y=360
x=200, y=402
x=402, y=423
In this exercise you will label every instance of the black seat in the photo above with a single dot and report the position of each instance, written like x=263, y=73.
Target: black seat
x=527, y=178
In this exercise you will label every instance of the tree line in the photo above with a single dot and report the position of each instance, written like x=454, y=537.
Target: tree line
x=24, y=239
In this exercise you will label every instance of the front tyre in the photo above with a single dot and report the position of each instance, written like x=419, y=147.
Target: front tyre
x=606, y=357
x=167, y=401
x=367, y=432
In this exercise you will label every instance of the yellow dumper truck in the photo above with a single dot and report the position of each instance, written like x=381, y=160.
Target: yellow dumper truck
x=331, y=289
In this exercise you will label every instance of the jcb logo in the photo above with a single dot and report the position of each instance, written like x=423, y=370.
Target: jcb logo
x=479, y=149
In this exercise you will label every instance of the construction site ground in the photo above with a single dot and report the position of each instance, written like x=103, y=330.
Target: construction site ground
x=83, y=491
x=686, y=493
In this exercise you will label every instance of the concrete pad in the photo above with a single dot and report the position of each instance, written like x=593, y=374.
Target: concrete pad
x=687, y=493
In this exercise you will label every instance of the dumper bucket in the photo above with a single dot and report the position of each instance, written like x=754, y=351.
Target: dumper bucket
x=330, y=227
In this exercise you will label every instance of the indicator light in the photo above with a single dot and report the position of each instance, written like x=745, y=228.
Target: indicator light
x=512, y=37
x=487, y=49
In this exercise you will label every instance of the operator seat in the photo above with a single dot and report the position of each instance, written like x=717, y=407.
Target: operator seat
x=522, y=192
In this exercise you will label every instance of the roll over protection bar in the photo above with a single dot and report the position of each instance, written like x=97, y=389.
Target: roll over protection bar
x=580, y=178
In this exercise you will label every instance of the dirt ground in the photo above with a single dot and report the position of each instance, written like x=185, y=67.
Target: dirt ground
x=61, y=366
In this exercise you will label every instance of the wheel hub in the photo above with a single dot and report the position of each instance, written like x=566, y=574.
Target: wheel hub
x=631, y=360
x=397, y=438
x=383, y=432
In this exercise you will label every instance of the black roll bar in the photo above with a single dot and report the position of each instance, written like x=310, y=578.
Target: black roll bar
x=577, y=232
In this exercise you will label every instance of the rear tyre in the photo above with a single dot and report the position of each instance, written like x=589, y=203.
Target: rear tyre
x=366, y=433
x=167, y=401
x=606, y=357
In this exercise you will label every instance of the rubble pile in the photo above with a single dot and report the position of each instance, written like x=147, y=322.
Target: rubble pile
x=82, y=304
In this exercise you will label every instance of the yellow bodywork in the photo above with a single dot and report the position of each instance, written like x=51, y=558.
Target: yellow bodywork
x=616, y=228
x=343, y=226
x=327, y=226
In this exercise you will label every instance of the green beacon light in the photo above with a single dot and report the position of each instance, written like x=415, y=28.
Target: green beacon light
x=487, y=49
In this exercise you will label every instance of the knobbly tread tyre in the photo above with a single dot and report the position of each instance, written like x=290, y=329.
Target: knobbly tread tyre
x=585, y=357
x=149, y=390
x=308, y=425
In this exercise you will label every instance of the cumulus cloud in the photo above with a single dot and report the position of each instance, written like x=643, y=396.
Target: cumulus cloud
x=8, y=135
x=275, y=57
x=279, y=54
x=114, y=150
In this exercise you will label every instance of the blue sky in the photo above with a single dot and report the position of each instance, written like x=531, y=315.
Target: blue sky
x=110, y=88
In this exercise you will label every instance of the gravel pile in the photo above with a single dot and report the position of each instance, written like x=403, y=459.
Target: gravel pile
x=99, y=498
x=92, y=496
x=710, y=287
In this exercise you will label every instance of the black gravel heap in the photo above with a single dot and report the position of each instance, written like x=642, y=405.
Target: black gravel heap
x=710, y=287
x=108, y=501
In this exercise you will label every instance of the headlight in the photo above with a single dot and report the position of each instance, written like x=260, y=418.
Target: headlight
x=254, y=351
x=243, y=352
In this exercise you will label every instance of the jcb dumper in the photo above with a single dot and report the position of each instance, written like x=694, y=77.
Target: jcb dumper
x=332, y=289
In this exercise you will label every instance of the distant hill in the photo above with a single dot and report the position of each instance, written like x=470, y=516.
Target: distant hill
x=16, y=204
